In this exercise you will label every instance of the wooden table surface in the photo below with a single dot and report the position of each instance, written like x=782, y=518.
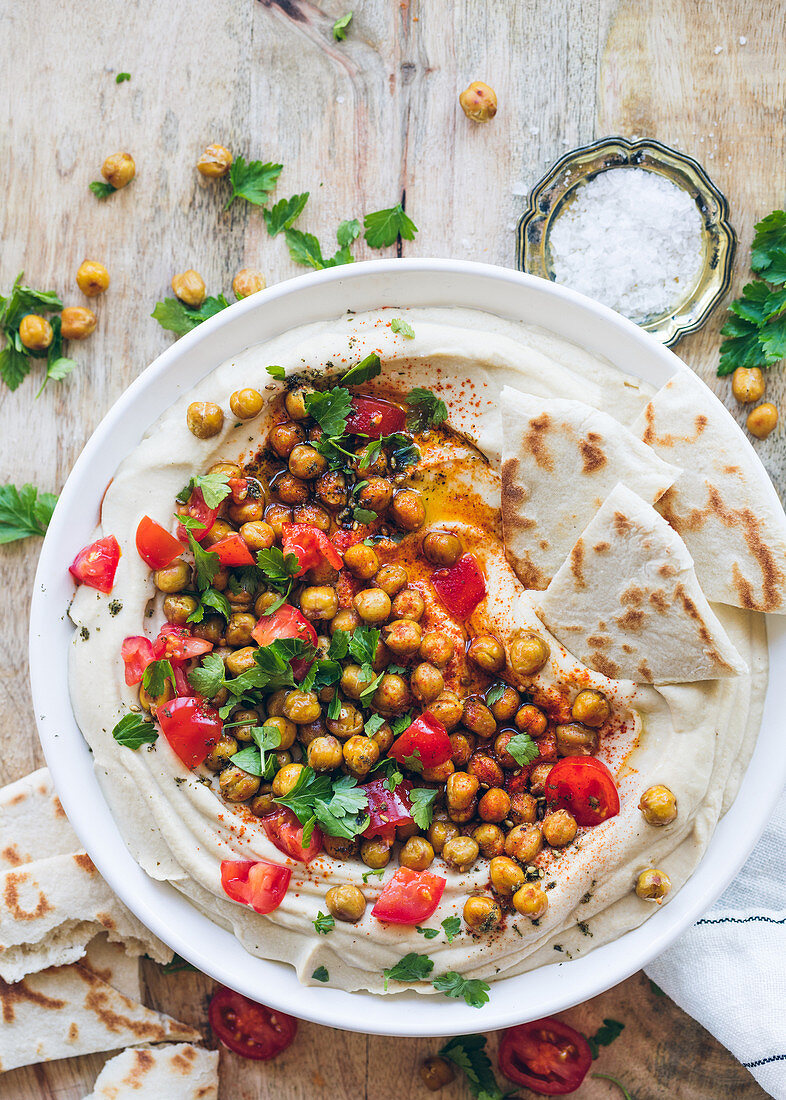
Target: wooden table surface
x=358, y=124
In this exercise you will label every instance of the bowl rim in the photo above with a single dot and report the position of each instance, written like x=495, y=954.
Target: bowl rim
x=170, y=915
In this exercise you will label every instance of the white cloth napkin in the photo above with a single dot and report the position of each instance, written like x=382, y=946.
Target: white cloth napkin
x=729, y=970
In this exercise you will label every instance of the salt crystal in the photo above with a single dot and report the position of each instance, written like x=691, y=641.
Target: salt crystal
x=630, y=239
x=743, y=40
x=718, y=49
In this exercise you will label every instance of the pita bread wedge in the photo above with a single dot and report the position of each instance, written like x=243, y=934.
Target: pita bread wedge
x=627, y=601
x=722, y=504
x=32, y=822
x=177, y=1072
x=560, y=460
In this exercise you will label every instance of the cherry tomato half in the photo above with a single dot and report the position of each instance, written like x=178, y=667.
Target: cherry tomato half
x=232, y=551
x=191, y=727
x=374, y=417
x=387, y=809
x=260, y=885
x=286, y=622
x=177, y=644
x=586, y=787
x=285, y=831
x=249, y=1029
x=410, y=897
x=137, y=654
x=198, y=510
x=157, y=548
x=461, y=587
x=428, y=737
x=96, y=565
x=546, y=1056
x=309, y=545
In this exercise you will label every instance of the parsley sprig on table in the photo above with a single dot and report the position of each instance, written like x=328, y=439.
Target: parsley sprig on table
x=175, y=316
x=468, y=1052
x=16, y=360
x=252, y=180
x=24, y=512
x=755, y=334
x=340, y=26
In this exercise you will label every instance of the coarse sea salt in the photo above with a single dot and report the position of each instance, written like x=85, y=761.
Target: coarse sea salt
x=630, y=239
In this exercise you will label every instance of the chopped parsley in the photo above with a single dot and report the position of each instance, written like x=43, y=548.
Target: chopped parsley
x=451, y=927
x=412, y=968
x=605, y=1036
x=614, y=1081
x=254, y=759
x=330, y=409
x=177, y=317
x=321, y=975
x=468, y=1052
x=252, y=180
x=304, y=248
x=24, y=512
x=429, y=933
x=101, y=189
x=214, y=488
x=340, y=26
x=156, y=677
x=384, y=227
x=324, y=923
x=338, y=806
x=206, y=563
x=522, y=748
x=283, y=214
x=363, y=371
x=210, y=600
x=208, y=677
x=121, y=78
x=472, y=990
x=133, y=731
x=275, y=371
x=426, y=410
x=495, y=693
x=378, y=872
x=403, y=327
x=422, y=801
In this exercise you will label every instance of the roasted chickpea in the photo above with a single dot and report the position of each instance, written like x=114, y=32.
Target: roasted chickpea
x=407, y=509
x=376, y=494
x=486, y=768
x=463, y=744
x=762, y=420
x=174, y=577
x=408, y=604
x=285, y=779
x=501, y=749
x=576, y=740
x=340, y=847
x=189, y=287
x=442, y=548
x=320, y=602
x=353, y=681
x=285, y=437
x=440, y=832
x=313, y=515
x=447, y=708
x=257, y=535
x=214, y=162
x=460, y=852
x=275, y=702
x=523, y=842
x=287, y=731
x=349, y=722
x=92, y=278
x=310, y=731
x=118, y=170
x=237, y=785
x=391, y=579
x=392, y=696
x=375, y=853
x=306, y=463
x=250, y=718
x=360, y=754
x=436, y=648
x=77, y=322
x=289, y=489
x=275, y=515
x=229, y=469
x=491, y=840
x=35, y=332
x=481, y=914
x=460, y=791
x=487, y=653
x=178, y=608
x=262, y=803
x=221, y=753
x=523, y=808
x=345, y=903
x=440, y=773
x=218, y=531
x=347, y=619
x=531, y=900
x=506, y=706
x=747, y=384
x=239, y=628
x=653, y=885
x=301, y=707
x=240, y=660
x=211, y=629
x=658, y=805
x=538, y=777
x=426, y=682
x=530, y=719
x=478, y=101
x=559, y=828
x=295, y=402
x=435, y=1073
x=591, y=708
x=477, y=717
x=331, y=488
x=384, y=737
x=402, y=637
x=417, y=854
x=246, y=404
x=494, y=806
x=528, y=653
x=361, y=561
x=248, y=281
x=506, y=876
x=373, y=605
x=205, y=419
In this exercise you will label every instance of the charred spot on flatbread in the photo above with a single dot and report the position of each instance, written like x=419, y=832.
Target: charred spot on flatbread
x=601, y=547
x=143, y=1064
x=73, y=1032
x=634, y=593
x=182, y=1060
x=592, y=455
x=84, y=863
x=605, y=666
x=11, y=856
x=577, y=564
x=633, y=620
x=535, y=442
x=19, y=993
x=659, y=600
x=513, y=492
x=14, y=880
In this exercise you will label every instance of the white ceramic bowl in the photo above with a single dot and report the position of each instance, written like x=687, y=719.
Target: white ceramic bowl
x=322, y=296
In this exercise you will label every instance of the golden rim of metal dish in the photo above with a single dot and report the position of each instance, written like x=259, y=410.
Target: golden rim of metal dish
x=558, y=185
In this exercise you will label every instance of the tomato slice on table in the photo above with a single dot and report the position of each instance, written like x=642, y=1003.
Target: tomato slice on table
x=261, y=885
x=232, y=551
x=137, y=654
x=197, y=509
x=461, y=587
x=157, y=548
x=285, y=831
x=546, y=1056
x=286, y=622
x=410, y=897
x=95, y=565
x=586, y=787
x=191, y=727
x=428, y=737
x=387, y=809
x=309, y=545
x=374, y=417
x=177, y=644
x=250, y=1029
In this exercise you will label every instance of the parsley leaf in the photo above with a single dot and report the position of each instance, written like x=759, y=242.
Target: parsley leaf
x=208, y=678
x=206, y=563
x=755, y=332
x=429, y=933
x=522, y=748
x=214, y=489
x=175, y=316
x=121, y=78
x=605, y=1036
x=279, y=568
x=133, y=731
x=156, y=677
x=373, y=724
x=412, y=968
x=272, y=668
x=451, y=927
x=397, y=325
x=330, y=409
x=384, y=227
x=338, y=805
x=347, y=232
x=177, y=964
x=339, y=645
x=283, y=214
x=378, y=872
x=340, y=26
x=414, y=762
x=615, y=1081
x=321, y=975
x=473, y=990
x=14, y=366
x=768, y=245
x=276, y=372
x=304, y=248
x=363, y=371
x=324, y=923
x=364, y=515
x=401, y=724
x=468, y=1052
x=101, y=189
x=426, y=410
x=494, y=694
x=422, y=800
x=24, y=512
x=252, y=759
x=210, y=599
x=363, y=644
x=252, y=180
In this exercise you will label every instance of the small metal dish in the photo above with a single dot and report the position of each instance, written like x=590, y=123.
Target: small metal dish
x=558, y=187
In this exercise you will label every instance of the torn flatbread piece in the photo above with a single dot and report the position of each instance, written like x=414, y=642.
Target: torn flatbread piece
x=560, y=460
x=722, y=504
x=33, y=823
x=627, y=601
x=177, y=1072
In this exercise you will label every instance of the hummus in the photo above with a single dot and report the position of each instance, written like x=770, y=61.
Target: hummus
x=695, y=738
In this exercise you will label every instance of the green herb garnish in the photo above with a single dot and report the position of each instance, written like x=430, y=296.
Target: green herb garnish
x=252, y=180
x=24, y=512
x=156, y=677
x=403, y=327
x=284, y=213
x=175, y=316
x=321, y=975
x=605, y=1036
x=121, y=78
x=472, y=990
x=615, y=1081
x=363, y=371
x=384, y=227
x=324, y=923
x=340, y=26
x=468, y=1052
x=522, y=748
x=254, y=759
x=337, y=805
x=755, y=334
x=412, y=968
x=276, y=372
x=426, y=410
x=133, y=731
x=101, y=189
x=422, y=801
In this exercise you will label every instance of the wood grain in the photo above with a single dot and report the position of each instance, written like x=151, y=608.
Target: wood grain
x=360, y=125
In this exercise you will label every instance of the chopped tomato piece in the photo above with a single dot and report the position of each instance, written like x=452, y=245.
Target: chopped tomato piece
x=157, y=548
x=182, y=686
x=198, y=510
x=347, y=587
x=547, y=748
x=374, y=417
x=261, y=885
x=239, y=487
x=232, y=550
x=249, y=1029
x=586, y=787
x=285, y=831
x=177, y=644
x=286, y=622
x=410, y=897
x=191, y=727
x=547, y=1056
x=309, y=545
x=137, y=654
x=96, y=565
x=461, y=587
x=426, y=736
x=387, y=809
